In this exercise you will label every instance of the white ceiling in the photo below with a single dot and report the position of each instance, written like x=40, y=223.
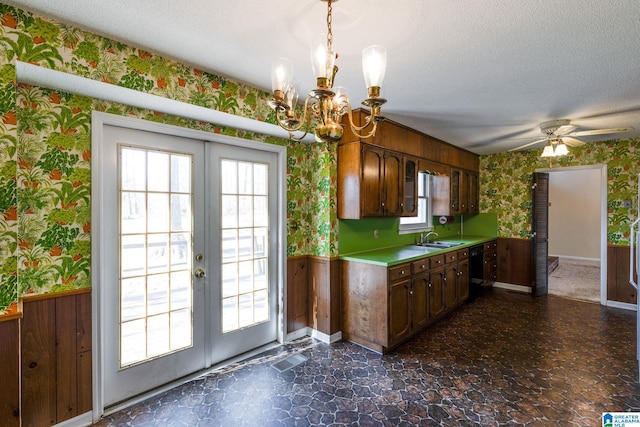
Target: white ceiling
x=478, y=74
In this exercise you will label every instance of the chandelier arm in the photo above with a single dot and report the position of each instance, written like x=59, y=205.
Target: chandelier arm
x=306, y=131
x=304, y=120
x=368, y=121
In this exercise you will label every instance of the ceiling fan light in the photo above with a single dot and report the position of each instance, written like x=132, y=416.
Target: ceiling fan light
x=561, y=149
x=548, y=151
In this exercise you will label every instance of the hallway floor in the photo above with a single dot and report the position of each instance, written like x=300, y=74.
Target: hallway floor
x=502, y=359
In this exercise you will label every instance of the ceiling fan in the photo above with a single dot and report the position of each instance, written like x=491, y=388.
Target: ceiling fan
x=562, y=132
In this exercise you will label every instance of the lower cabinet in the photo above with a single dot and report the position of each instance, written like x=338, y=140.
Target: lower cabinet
x=490, y=262
x=381, y=307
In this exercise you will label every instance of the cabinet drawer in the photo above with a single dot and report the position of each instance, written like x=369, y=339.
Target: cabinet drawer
x=436, y=261
x=399, y=272
x=420, y=265
x=491, y=245
x=451, y=257
x=463, y=254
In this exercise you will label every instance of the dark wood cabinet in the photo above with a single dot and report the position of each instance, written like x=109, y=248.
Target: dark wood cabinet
x=436, y=293
x=420, y=301
x=490, y=262
x=459, y=195
x=410, y=187
x=381, y=307
x=462, y=282
x=399, y=312
x=373, y=182
x=393, y=184
x=473, y=182
x=372, y=194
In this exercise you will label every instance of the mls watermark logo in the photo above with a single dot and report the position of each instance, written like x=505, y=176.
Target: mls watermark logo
x=621, y=419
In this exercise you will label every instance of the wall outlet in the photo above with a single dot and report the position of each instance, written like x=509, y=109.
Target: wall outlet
x=626, y=204
x=376, y=234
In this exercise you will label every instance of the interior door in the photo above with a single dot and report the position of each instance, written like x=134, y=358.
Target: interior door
x=152, y=300
x=540, y=231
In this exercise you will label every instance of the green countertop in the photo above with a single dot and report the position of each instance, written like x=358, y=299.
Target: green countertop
x=388, y=257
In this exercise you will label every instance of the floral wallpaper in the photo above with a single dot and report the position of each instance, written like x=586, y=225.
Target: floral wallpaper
x=506, y=178
x=45, y=151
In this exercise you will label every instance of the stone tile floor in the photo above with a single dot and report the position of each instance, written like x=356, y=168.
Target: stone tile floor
x=504, y=359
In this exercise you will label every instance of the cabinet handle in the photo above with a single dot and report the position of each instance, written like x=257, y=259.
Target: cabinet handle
x=402, y=272
x=429, y=284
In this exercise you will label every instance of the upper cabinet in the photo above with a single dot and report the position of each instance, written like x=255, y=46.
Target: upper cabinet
x=375, y=182
x=377, y=176
x=463, y=194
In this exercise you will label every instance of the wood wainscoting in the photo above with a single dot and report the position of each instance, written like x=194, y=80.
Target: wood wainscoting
x=618, y=286
x=55, y=354
x=10, y=373
x=313, y=294
x=515, y=261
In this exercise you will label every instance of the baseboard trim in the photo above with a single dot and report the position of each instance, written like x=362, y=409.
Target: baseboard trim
x=512, y=287
x=623, y=305
x=300, y=333
x=328, y=339
x=85, y=419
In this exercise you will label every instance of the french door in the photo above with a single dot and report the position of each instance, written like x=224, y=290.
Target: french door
x=188, y=266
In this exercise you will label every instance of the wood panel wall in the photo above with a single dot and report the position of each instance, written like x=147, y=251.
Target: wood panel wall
x=297, y=293
x=515, y=261
x=10, y=373
x=55, y=358
x=618, y=286
x=401, y=138
x=324, y=295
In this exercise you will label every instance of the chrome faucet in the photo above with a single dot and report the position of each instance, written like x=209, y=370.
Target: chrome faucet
x=429, y=234
x=425, y=238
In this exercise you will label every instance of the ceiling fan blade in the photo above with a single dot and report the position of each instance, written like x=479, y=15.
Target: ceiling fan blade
x=599, y=131
x=529, y=144
x=572, y=142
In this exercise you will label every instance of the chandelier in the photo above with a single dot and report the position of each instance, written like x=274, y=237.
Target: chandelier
x=324, y=104
x=555, y=147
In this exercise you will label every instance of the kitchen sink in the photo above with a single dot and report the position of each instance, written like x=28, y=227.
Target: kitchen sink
x=440, y=244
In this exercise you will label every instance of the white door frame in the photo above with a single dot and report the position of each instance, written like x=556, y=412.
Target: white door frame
x=604, y=221
x=98, y=174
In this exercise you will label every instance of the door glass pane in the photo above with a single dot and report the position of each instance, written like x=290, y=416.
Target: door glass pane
x=245, y=220
x=156, y=232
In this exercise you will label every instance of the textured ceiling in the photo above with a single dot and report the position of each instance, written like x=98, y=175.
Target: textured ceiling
x=479, y=74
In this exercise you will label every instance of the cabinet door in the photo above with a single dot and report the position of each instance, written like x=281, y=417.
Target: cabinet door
x=410, y=188
x=441, y=195
x=463, y=281
x=399, y=310
x=464, y=191
x=436, y=293
x=474, y=190
x=371, y=197
x=393, y=184
x=420, y=301
x=456, y=181
x=490, y=267
x=450, y=283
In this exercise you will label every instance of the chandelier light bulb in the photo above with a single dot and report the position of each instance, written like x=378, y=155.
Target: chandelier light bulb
x=281, y=76
x=322, y=61
x=374, y=65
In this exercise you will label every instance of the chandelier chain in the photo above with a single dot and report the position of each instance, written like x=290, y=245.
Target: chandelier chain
x=329, y=32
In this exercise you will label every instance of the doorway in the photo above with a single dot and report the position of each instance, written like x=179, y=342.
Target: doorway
x=188, y=253
x=577, y=226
